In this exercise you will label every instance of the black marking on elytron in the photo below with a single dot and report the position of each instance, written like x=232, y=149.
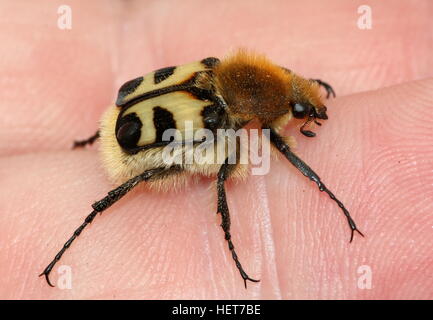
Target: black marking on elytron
x=201, y=94
x=183, y=86
x=127, y=88
x=151, y=94
x=186, y=86
x=162, y=120
x=213, y=116
x=128, y=131
x=162, y=74
x=210, y=62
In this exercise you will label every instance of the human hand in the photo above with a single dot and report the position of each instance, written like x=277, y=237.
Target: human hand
x=375, y=153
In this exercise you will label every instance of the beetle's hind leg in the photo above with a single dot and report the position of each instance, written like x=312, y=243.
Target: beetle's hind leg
x=327, y=87
x=82, y=143
x=223, y=209
x=103, y=204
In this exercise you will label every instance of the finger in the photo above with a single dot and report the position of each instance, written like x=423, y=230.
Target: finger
x=287, y=234
x=316, y=39
x=147, y=245
x=56, y=82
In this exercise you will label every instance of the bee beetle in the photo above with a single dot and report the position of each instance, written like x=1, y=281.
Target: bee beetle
x=212, y=94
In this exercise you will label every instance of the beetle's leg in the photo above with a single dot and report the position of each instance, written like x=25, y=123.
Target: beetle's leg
x=327, y=87
x=279, y=143
x=223, y=209
x=82, y=143
x=101, y=205
x=324, y=84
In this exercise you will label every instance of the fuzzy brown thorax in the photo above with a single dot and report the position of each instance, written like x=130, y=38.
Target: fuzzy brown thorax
x=254, y=87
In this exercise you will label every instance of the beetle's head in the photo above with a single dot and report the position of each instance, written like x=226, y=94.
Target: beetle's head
x=307, y=105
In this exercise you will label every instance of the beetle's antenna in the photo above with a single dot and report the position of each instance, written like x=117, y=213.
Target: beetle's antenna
x=98, y=207
x=279, y=143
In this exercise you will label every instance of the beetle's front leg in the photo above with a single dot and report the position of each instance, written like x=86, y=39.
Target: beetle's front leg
x=284, y=148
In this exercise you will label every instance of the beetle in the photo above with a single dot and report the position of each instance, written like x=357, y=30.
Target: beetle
x=213, y=94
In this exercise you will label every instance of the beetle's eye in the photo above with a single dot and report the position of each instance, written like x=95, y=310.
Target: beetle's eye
x=300, y=111
x=129, y=131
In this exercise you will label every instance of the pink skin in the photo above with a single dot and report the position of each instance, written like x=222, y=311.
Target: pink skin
x=375, y=153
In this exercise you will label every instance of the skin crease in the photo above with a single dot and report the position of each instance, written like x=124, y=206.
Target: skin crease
x=375, y=153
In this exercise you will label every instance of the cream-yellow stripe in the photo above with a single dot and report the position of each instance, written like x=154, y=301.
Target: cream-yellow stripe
x=180, y=74
x=182, y=105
